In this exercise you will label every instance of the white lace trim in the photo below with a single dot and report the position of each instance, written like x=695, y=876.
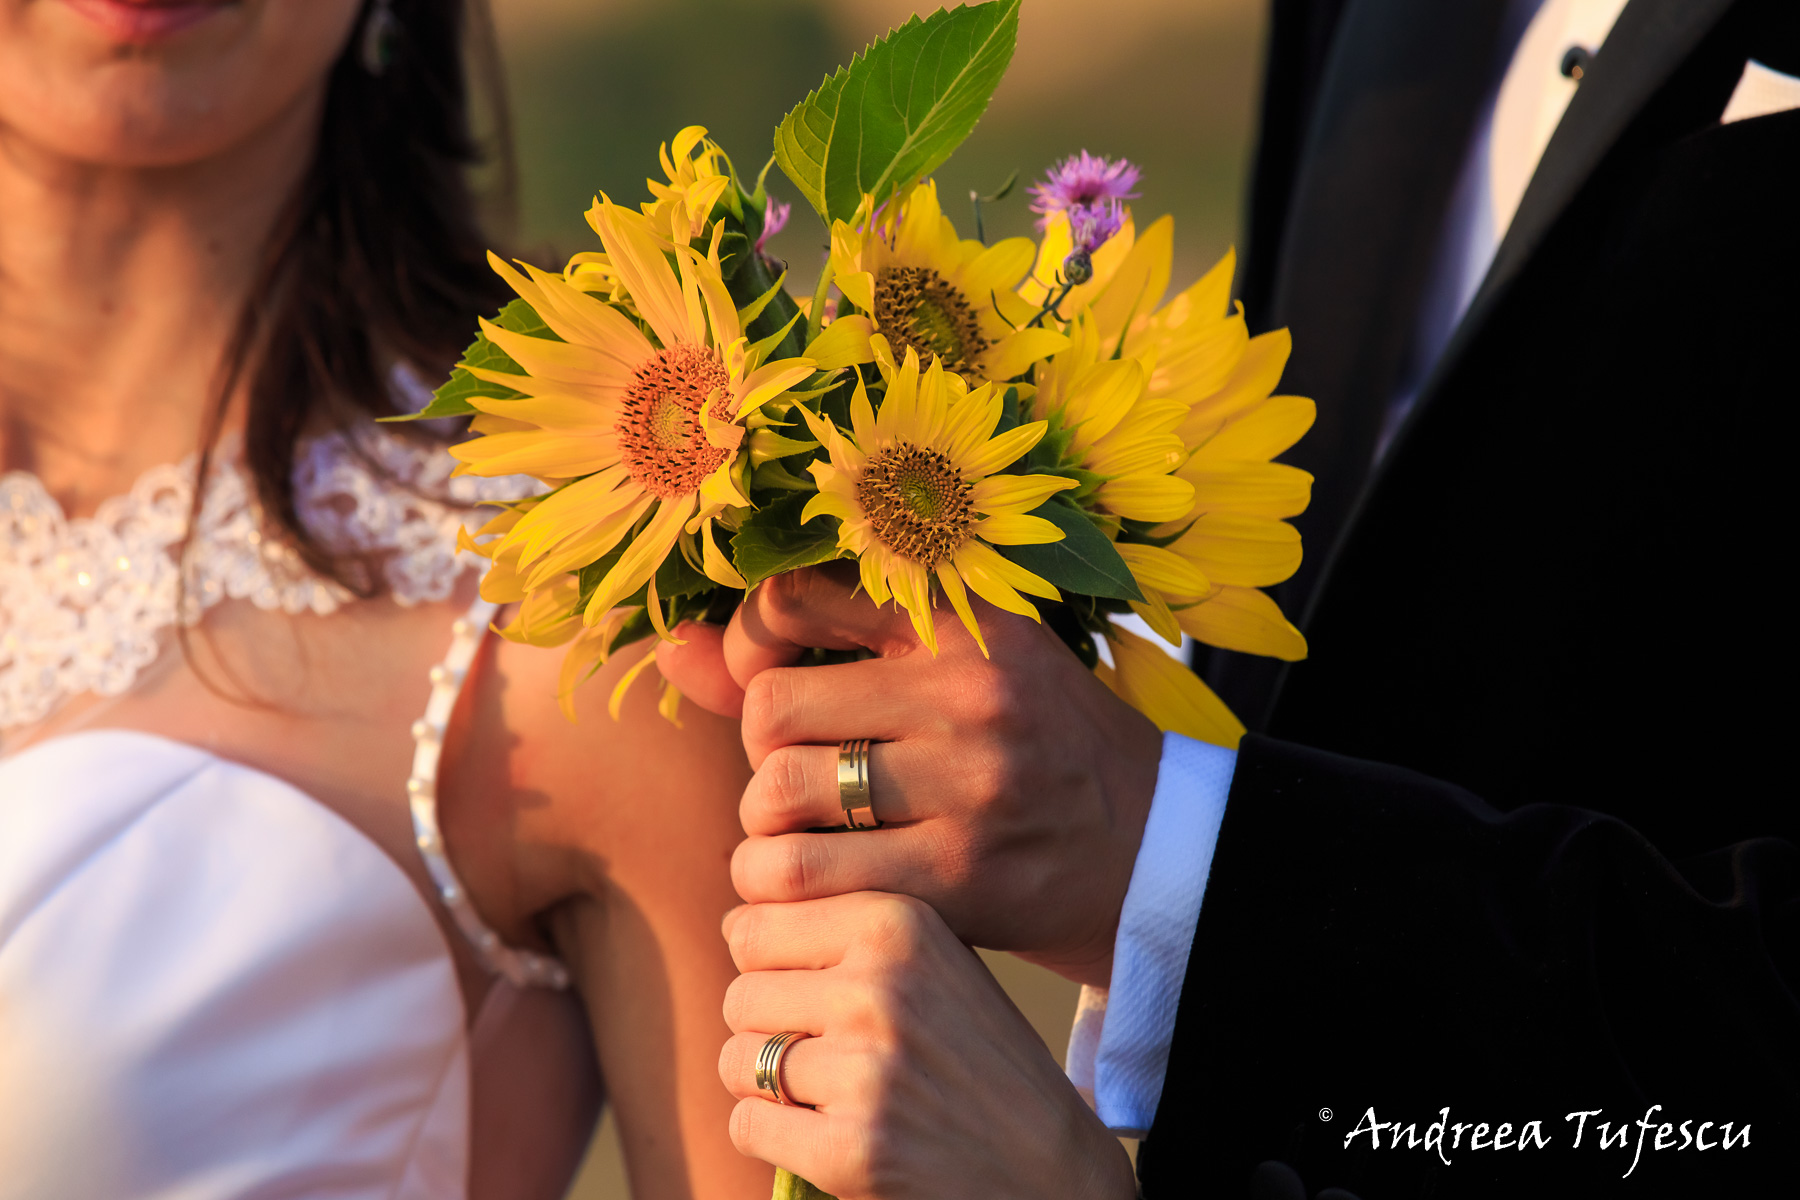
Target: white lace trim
x=87, y=604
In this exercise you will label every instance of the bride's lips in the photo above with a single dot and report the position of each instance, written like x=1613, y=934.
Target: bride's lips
x=146, y=20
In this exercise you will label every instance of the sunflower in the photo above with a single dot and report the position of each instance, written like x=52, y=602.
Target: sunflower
x=1111, y=430
x=927, y=291
x=1207, y=385
x=916, y=490
x=696, y=182
x=643, y=436
x=1235, y=538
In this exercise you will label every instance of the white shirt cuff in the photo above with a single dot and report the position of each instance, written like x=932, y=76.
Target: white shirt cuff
x=1119, y=1047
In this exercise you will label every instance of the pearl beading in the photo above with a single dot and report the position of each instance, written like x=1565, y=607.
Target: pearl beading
x=522, y=968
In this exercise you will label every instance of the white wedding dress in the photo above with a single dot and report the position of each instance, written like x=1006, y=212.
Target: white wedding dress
x=212, y=985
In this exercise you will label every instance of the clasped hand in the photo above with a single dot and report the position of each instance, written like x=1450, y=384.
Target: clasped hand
x=1012, y=792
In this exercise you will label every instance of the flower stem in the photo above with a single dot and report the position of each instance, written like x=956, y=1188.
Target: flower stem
x=789, y=1186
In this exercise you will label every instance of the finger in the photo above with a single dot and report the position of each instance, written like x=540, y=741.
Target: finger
x=797, y=1139
x=812, y=607
x=696, y=666
x=811, y=1073
x=777, y=1000
x=796, y=787
x=885, y=699
x=798, y=867
x=796, y=937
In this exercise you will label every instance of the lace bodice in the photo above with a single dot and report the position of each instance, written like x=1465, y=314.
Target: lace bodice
x=86, y=604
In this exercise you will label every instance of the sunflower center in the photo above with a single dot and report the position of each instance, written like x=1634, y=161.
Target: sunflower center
x=917, y=502
x=660, y=435
x=917, y=307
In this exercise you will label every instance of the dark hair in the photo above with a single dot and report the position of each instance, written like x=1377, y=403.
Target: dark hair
x=379, y=257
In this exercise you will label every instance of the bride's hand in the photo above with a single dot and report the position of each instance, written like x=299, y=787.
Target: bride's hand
x=925, y=1081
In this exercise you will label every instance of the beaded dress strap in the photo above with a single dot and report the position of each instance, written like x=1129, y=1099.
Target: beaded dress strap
x=522, y=968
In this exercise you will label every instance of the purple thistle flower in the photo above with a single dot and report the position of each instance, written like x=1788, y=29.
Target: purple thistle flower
x=1092, y=225
x=1083, y=181
x=775, y=219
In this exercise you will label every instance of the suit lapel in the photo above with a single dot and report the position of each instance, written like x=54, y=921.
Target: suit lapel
x=1403, y=88
x=1651, y=39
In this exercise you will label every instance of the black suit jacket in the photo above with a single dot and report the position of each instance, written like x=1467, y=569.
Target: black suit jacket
x=1520, y=839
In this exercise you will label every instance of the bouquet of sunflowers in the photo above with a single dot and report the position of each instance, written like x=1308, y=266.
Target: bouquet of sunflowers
x=1027, y=423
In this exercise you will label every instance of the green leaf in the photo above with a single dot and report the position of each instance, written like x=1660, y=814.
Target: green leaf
x=772, y=540
x=1084, y=562
x=452, y=400
x=899, y=109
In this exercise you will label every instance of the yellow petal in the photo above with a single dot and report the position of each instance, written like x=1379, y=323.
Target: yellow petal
x=1161, y=570
x=1017, y=529
x=1261, y=489
x=1100, y=397
x=858, y=288
x=1139, y=284
x=1015, y=493
x=616, y=703
x=642, y=557
x=1155, y=612
x=578, y=663
x=1264, y=432
x=544, y=454
x=1003, y=451
x=1147, y=497
x=912, y=591
x=638, y=256
x=921, y=233
x=1172, y=696
x=564, y=362
x=827, y=504
x=1252, y=380
x=1017, y=351
x=1245, y=620
x=1240, y=551
x=844, y=343
x=767, y=382
x=959, y=600
x=718, y=568
x=670, y=705
x=997, y=269
x=998, y=580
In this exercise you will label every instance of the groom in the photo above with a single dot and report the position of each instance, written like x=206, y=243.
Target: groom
x=1518, y=842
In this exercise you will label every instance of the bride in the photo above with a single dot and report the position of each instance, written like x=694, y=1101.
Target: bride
x=306, y=886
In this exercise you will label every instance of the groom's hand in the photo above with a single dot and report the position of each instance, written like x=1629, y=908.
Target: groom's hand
x=1012, y=789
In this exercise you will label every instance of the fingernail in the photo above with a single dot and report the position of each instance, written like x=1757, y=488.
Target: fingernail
x=729, y=920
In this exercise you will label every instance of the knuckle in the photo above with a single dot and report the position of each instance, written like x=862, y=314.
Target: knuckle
x=764, y=704
x=738, y=1003
x=745, y=1119
x=783, y=596
x=746, y=934
x=800, y=867
x=851, y=1151
x=731, y=1058
x=784, y=784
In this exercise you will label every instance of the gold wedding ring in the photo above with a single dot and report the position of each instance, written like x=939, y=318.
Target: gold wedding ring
x=853, y=784
x=768, y=1066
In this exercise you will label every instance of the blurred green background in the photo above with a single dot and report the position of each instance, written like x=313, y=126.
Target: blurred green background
x=597, y=84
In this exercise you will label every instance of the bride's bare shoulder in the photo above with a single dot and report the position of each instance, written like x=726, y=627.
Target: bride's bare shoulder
x=589, y=805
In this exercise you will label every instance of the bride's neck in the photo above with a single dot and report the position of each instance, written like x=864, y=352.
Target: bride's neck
x=120, y=289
